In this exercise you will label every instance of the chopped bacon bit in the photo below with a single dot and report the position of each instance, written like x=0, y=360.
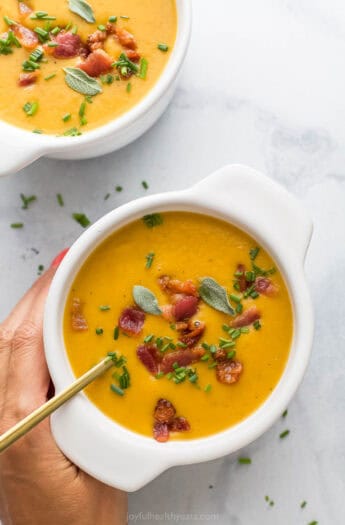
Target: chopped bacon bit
x=180, y=424
x=182, y=358
x=27, y=38
x=265, y=286
x=248, y=317
x=229, y=372
x=165, y=411
x=168, y=312
x=220, y=355
x=174, y=286
x=160, y=432
x=126, y=38
x=24, y=11
x=110, y=28
x=185, y=307
x=131, y=321
x=133, y=55
x=69, y=46
x=27, y=79
x=150, y=357
x=242, y=278
x=192, y=334
x=96, y=40
x=96, y=64
x=79, y=323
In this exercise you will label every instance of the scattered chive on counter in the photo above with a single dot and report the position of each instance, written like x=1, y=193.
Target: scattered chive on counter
x=27, y=200
x=303, y=504
x=145, y=185
x=118, y=189
x=60, y=200
x=82, y=219
x=284, y=434
x=17, y=225
x=244, y=461
x=285, y=413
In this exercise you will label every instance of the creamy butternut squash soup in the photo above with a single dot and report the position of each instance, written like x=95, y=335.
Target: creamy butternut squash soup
x=196, y=316
x=68, y=66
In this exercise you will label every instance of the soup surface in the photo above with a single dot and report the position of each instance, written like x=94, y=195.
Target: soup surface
x=120, y=53
x=214, y=368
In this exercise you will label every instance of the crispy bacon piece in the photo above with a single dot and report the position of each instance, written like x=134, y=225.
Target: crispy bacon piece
x=79, y=323
x=27, y=79
x=220, y=355
x=150, y=357
x=24, y=11
x=248, y=317
x=174, y=286
x=96, y=40
x=133, y=55
x=161, y=432
x=69, y=45
x=165, y=411
x=182, y=358
x=179, y=424
x=265, y=286
x=168, y=312
x=229, y=372
x=96, y=64
x=242, y=278
x=185, y=307
x=27, y=38
x=110, y=28
x=191, y=335
x=131, y=321
x=126, y=38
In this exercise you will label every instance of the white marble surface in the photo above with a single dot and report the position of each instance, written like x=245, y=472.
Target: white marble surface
x=264, y=84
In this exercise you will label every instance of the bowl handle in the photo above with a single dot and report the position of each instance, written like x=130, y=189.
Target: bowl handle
x=15, y=157
x=277, y=213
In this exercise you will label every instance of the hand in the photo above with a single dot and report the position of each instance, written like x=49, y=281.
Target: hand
x=38, y=484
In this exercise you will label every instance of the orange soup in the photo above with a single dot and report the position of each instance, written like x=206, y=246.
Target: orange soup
x=197, y=318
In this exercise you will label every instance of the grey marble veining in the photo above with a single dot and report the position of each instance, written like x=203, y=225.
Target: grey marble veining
x=263, y=85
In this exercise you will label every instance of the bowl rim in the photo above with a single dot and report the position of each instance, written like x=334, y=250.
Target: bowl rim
x=219, y=444
x=48, y=144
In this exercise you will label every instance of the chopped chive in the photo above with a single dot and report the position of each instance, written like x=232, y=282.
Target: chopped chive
x=245, y=330
x=236, y=333
x=40, y=269
x=205, y=346
x=239, y=308
x=17, y=225
x=148, y=338
x=101, y=27
x=285, y=413
x=56, y=30
x=49, y=77
x=257, y=325
x=303, y=504
x=106, y=197
x=129, y=87
x=53, y=44
x=313, y=523
x=99, y=331
x=37, y=131
x=118, y=189
x=213, y=365
x=30, y=108
x=113, y=19
x=107, y=79
x=208, y=388
x=73, y=132
x=254, y=294
x=9, y=22
x=145, y=185
x=231, y=354
x=284, y=434
x=244, y=461
x=235, y=298
x=152, y=220
x=254, y=253
x=27, y=200
x=124, y=17
x=181, y=345
x=116, y=333
x=159, y=375
x=117, y=390
x=42, y=15
x=60, y=200
x=165, y=347
x=82, y=219
x=149, y=260
x=143, y=68
x=163, y=47
x=205, y=357
x=82, y=110
x=104, y=308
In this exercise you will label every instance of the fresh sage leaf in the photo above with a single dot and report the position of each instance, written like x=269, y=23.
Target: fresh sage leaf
x=82, y=9
x=81, y=82
x=215, y=296
x=146, y=300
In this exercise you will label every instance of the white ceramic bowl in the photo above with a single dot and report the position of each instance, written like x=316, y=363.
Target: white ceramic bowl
x=127, y=460
x=20, y=147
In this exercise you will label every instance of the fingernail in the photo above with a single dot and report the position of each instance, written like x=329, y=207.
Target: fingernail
x=58, y=259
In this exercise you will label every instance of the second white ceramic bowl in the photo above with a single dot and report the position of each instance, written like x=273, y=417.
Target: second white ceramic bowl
x=128, y=460
x=20, y=147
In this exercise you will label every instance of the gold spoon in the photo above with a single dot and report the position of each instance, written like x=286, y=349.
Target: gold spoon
x=29, y=422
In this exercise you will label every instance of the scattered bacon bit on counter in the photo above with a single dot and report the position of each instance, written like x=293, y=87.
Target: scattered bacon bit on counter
x=229, y=372
x=164, y=411
x=131, y=321
x=185, y=307
x=265, y=286
x=126, y=38
x=27, y=79
x=69, y=46
x=182, y=358
x=79, y=323
x=150, y=357
x=24, y=11
x=165, y=421
x=191, y=335
x=248, y=317
x=174, y=286
x=96, y=40
x=96, y=64
x=27, y=38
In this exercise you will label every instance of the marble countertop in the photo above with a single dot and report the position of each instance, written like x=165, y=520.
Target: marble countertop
x=263, y=85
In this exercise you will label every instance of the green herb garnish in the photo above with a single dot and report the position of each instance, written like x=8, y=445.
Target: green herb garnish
x=30, y=108
x=149, y=260
x=163, y=47
x=153, y=220
x=27, y=200
x=82, y=219
x=118, y=189
x=244, y=461
x=99, y=331
x=17, y=225
x=284, y=434
x=104, y=308
x=143, y=68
